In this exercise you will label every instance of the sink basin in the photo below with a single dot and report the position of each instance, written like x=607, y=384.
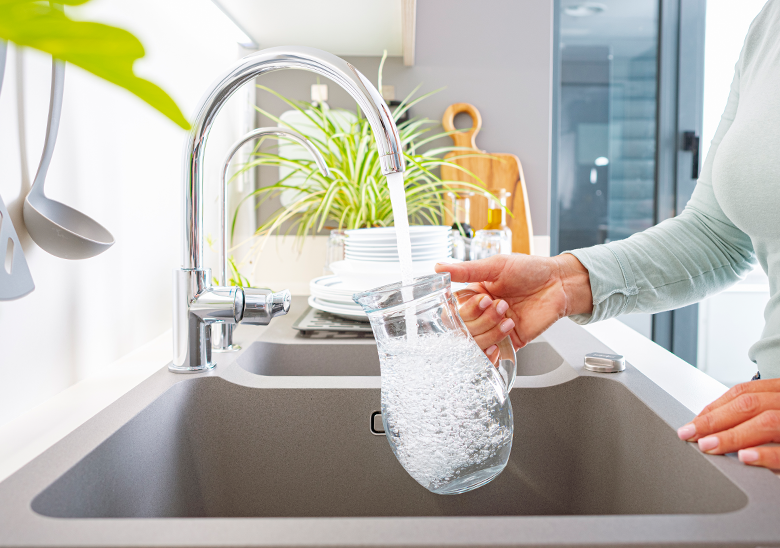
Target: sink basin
x=271, y=358
x=274, y=447
x=360, y=359
x=210, y=448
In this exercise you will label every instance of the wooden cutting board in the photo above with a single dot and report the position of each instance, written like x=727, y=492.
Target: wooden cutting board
x=496, y=170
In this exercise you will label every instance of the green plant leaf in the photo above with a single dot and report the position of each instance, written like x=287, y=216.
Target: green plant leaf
x=105, y=51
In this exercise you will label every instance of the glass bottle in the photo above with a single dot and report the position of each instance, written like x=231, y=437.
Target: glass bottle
x=462, y=233
x=462, y=206
x=496, y=237
x=497, y=211
x=335, y=249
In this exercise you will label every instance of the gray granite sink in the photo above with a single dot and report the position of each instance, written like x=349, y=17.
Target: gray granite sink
x=207, y=448
x=274, y=448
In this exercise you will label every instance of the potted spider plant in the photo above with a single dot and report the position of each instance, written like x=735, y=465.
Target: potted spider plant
x=355, y=194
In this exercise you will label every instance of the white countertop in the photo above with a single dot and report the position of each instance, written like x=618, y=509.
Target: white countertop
x=26, y=437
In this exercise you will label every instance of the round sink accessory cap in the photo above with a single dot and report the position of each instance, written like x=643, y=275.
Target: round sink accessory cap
x=604, y=363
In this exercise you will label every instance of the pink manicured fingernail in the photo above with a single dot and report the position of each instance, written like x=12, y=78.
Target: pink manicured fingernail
x=687, y=432
x=709, y=443
x=491, y=349
x=485, y=302
x=506, y=325
x=502, y=307
x=748, y=455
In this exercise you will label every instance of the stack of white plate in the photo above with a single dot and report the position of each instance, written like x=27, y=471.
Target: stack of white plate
x=429, y=243
x=331, y=294
x=371, y=260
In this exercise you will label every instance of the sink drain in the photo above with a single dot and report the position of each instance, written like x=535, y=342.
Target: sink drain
x=377, y=428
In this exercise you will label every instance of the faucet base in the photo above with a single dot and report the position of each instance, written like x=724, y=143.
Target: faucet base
x=195, y=369
x=222, y=338
x=196, y=307
x=231, y=348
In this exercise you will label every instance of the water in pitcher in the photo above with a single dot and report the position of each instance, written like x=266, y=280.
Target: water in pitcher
x=445, y=412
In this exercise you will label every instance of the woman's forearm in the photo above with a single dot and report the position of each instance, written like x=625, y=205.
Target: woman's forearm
x=576, y=284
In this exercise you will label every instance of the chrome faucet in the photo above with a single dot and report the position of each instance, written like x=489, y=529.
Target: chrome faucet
x=196, y=303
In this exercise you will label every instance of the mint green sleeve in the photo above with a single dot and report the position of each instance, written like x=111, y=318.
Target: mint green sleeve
x=677, y=262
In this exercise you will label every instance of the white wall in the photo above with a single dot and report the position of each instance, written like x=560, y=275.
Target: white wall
x=118, y=161
x=727, y=25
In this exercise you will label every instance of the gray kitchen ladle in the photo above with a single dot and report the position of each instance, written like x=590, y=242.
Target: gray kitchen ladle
x=55, y=227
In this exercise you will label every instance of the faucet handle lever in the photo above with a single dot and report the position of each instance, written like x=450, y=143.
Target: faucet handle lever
x=262, y=305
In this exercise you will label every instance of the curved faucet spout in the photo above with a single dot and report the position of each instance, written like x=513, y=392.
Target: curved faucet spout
x=320, y=62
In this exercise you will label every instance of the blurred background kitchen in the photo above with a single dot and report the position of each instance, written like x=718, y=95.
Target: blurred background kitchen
x=640, y=89
x=609, y=106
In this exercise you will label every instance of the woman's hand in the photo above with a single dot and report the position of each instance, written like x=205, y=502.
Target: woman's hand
x=532, y=292
x=744, y=418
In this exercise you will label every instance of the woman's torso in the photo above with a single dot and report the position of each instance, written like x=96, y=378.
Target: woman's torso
x=746, y=168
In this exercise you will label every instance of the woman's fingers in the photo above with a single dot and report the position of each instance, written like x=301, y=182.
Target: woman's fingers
x=493, y=354
x=768, y=457
x=491, y=317
x=729, y=415
x=495, y=335
x=744, y=418
x=517, y=325
x=474, y=307
x=761, y=429
x=486, y=319
x=766, y=385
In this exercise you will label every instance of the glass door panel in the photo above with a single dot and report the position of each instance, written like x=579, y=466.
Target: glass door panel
x=628, y=88
x=607, y=141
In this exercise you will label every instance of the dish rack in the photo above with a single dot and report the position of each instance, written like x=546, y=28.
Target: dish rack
x=314, y=321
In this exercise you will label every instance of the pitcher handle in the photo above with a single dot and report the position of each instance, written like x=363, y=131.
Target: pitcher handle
x=507, y=359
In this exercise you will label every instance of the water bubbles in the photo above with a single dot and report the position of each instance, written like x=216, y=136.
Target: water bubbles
x=448, y=421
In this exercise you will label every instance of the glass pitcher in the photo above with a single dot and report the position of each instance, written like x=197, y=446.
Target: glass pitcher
x=445, y=407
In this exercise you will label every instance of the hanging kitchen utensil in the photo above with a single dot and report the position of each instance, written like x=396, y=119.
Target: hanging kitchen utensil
x=55, y=227
x=496, y=170
x=15, y=278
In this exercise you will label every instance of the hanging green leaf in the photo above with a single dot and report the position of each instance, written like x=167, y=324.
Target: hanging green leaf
x=105, y=51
